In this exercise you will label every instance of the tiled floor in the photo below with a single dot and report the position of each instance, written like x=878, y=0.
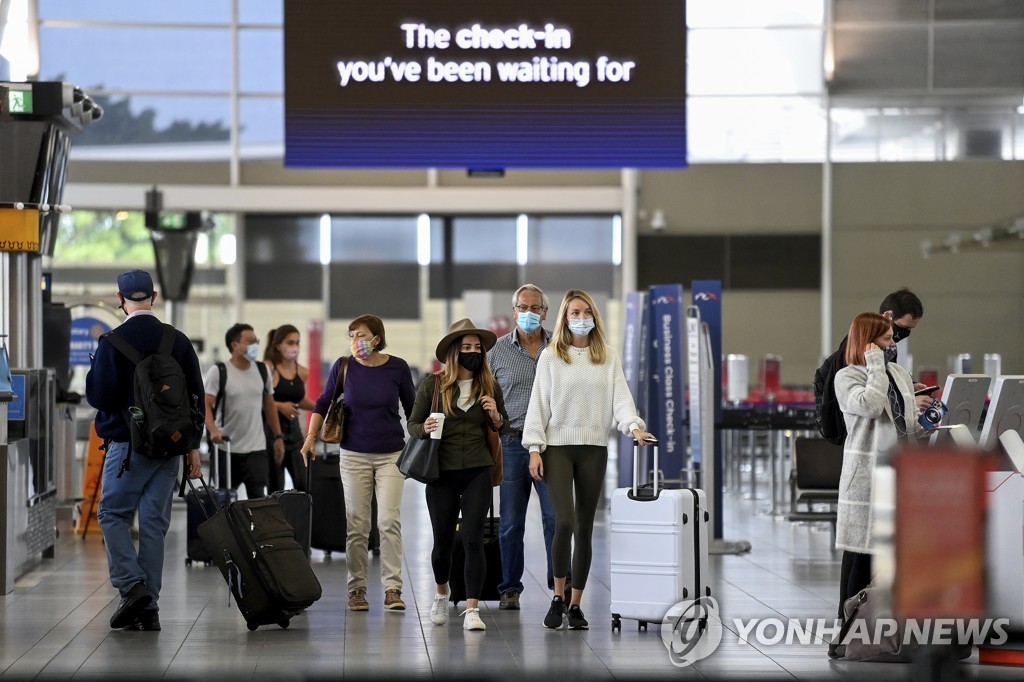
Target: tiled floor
x=55, y=624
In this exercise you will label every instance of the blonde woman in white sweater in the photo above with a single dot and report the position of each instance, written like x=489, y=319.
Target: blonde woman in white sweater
x=579, y=395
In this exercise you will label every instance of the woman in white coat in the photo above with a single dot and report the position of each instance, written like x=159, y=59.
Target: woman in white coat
x=877, y=400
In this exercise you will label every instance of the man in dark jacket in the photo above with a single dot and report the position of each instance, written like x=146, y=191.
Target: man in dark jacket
x=147, y=486
x=905, y=310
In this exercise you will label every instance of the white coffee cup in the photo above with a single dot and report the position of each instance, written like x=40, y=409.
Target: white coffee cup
x=439, y=416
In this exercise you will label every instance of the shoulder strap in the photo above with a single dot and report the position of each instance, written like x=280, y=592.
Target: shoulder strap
x=125, y=348
x=263, y=374
x=344, y=373
x=166, y=341
x=437, y=393
x=218, y=402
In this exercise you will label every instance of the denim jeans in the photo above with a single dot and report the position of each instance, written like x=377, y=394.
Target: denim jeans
x=149, y=488
x=515, y=498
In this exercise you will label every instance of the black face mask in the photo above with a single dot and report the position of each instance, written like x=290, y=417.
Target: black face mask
x=899, y=333
x=471, y=361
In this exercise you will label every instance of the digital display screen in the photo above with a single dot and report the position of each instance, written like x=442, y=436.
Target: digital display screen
x=477, y=84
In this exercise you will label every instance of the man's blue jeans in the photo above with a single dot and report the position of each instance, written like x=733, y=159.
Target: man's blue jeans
x=148, y=487
x=515, y=498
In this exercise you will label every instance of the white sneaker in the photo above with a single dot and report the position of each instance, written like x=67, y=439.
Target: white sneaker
x=472, y=621
x=439, y=609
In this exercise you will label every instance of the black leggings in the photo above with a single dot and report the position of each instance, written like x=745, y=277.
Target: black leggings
x=582, y=467
x=854, y=576
x=292, y=463
x=468, y=490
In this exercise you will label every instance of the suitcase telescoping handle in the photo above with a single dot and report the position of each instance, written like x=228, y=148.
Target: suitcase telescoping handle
x=636, y=466
x=215, y=463
x=209, y=494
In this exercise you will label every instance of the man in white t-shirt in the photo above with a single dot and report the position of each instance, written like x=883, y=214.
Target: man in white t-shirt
x=238, y=413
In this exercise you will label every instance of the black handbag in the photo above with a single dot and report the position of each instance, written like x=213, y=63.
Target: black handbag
x=333, y=428
x=420, y=460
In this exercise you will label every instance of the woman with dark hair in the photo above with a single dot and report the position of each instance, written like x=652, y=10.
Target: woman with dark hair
x=877, y=399
x=471, y=401
x=579, y=394
x=289, y=378
x=374, y=386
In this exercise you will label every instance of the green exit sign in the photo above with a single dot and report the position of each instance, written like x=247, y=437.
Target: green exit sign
x=19, y=101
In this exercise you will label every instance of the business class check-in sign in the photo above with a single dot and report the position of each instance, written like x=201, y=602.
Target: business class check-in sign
x=471, y=84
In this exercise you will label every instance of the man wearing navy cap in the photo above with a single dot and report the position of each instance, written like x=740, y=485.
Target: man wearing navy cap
x=147, y=486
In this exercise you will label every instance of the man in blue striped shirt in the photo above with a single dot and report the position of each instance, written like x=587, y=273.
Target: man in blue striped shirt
x=514, y=363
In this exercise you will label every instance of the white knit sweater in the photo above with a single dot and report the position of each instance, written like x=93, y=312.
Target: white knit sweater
x=578, y=403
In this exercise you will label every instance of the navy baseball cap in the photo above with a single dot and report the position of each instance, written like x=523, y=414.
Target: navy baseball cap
x=135, y=285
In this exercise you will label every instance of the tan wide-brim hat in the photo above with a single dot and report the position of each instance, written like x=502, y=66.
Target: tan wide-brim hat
x=462, y=328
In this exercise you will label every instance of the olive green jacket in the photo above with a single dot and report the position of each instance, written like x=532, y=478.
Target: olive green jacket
x=462, y=435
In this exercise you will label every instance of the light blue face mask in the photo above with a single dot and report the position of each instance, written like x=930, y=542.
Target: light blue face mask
x=528, y=321
x=582, y=326
x=252, y=351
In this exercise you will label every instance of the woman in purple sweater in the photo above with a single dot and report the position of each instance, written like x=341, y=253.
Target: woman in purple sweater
x=373, y=386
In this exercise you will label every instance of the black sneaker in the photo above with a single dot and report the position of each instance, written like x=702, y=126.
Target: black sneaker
x=148, y=621
x=576, y=619
x=131, y=605
x=556, y=614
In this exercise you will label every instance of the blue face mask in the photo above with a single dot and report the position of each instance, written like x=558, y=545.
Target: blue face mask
x=582, y=326
x=528, y=321
x=252, y=351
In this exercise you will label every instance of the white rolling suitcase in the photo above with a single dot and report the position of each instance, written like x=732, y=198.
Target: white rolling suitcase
x=659, y=552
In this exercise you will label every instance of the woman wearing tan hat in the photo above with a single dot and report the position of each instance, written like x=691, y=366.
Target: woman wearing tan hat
x=579, y=395
x=471, y=401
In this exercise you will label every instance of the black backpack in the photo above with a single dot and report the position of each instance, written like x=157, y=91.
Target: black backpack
x=827, y=414
x=162, y=421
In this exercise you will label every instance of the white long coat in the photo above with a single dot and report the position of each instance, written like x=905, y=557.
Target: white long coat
x=862, y=391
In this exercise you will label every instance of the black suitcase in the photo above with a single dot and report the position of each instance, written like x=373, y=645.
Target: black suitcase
x=329, y=527
x=199, y=506
x=492, y=553
x=298, y=509
x=266, y=569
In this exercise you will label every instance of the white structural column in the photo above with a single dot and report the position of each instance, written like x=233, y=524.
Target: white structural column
x=630, y=191
x=826, y=236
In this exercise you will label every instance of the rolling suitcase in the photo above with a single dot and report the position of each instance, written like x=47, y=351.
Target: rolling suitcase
x=298, y=510
x=492, y=553
x=199, y=506
x=329, y=527
x=266, y=569
x=659, y=549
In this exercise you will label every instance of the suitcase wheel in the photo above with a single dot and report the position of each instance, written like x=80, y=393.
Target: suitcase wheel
x=188, y=562
x=616, y=623
x=642, y=625
x=252, y=626
x=327, y=554
x=284, y=623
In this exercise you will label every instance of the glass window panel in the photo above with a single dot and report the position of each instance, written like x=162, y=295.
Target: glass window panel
x=979, y=134
x=389, y=239
x=754, y=61
x=755, y=129
x=261, y=60
x=724, y=13
x=262, y=122
x=261, y=12
x=484, y=240
x=138, y=58
x=181, y=128
x=570, y=239
x=179, y=11
x=910, y=136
